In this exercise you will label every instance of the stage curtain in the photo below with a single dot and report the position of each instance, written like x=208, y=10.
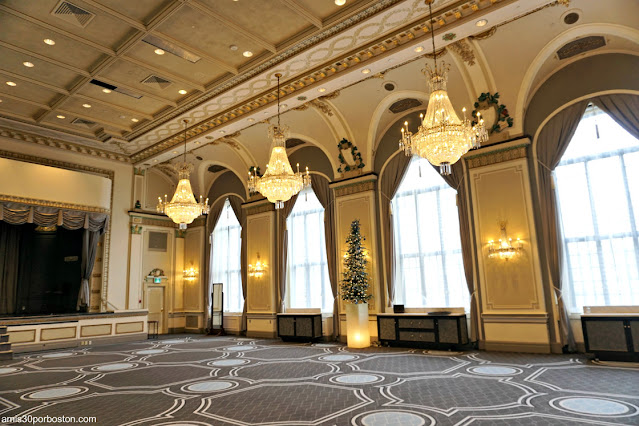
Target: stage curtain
x=19, y=214
x=89, y=249
x=327, y=198
x=10, y=238
x=240, y=213
x=389, y=183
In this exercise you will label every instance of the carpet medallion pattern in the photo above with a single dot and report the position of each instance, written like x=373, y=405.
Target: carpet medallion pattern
x=195, y=380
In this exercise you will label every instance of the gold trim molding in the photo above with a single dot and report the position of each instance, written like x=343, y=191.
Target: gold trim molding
x=109, y=174
x=262, y=208
x=45, y=203
x=355, y=188
x=499, y=156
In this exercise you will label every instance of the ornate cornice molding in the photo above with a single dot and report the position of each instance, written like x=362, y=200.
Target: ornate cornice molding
x=57, y=143
x=261, y=208
x=141, y=220
x=497, y=156
x=47, y=203
x=355, y=188
x=110, y=174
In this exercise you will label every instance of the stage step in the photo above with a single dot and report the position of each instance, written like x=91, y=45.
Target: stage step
x=3, y=329
x=5, y=347
x=4, y=338
x=6, y=355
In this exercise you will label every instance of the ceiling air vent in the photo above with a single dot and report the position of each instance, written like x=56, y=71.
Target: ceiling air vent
x=157, y=81
x=404, y=105
x=292, y=143
x=83, y=123
x=216, y=168
x=73, y=14
x=115, y=88
x=171, y=48
x=580, y=46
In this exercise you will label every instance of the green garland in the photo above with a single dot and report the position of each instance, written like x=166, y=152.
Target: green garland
x=345, y=144
x=503, y=120
x=354, y=284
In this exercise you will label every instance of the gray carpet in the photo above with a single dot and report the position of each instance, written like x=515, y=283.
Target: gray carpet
x=195, y=380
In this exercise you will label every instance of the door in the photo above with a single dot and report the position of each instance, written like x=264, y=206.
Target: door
x=155, y=305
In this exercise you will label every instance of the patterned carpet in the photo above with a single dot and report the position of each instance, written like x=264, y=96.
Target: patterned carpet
x=195, y=380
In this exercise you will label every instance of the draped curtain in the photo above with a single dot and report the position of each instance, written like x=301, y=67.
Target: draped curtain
x=19, y=214
x=211, y=221
x=457, y=181
x=10, y=237
x=89, y=249
x=551, y=145
x=389, y=183
x=236, y=205
x=326, y=198
x=282, y=245
x=623, y=108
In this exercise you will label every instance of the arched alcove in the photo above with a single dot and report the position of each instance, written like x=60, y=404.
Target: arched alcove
x=389, y=143
x=314, y=158
x=227, y=183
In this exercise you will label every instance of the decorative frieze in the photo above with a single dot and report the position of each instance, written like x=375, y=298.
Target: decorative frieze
x=262, y=208
x=497, y=156
x=47, y=203
x=354, y=188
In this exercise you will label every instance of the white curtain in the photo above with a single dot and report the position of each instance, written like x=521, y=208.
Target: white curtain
x=429, y=270
x=597, y=187
x=225, y=259
x=307, y=281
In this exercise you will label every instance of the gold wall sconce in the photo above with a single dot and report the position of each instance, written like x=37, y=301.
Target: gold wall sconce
x=504, y=248
x=190, y=274
x=257, y=269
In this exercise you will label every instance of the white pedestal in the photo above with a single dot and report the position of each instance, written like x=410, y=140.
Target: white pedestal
x=358, y=335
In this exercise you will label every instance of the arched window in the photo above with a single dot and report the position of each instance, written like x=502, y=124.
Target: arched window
x=307, y=281
x=597, y=187
x=429, y=271
x=225, y=258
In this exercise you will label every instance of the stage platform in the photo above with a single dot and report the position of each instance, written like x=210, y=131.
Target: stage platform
x=44, y=332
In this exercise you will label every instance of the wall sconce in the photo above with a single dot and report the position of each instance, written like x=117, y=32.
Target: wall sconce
x=257, y=269
x=504, y=248
x=190, y=274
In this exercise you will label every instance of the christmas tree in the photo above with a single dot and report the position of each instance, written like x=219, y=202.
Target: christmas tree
x=354, y=285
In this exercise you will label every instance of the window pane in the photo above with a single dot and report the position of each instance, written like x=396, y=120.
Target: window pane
x=428, y=262
x=307, y=282
x=225, y=259
x=597, y=188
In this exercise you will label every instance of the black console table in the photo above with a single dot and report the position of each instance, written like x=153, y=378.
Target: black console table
x=304, y=327
x=422, y=330
x=612, y=337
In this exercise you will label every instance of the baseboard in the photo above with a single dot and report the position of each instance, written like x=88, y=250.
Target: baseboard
x=109, y=340
x=557, y=348
x=194, y=330
x=535, y=348
x=581, y=347
x=176, y=330
x=262, y=334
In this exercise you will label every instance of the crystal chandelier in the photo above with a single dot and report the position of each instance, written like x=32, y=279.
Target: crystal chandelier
x=442, y=138
x=183, y=208
x=279, y=183
x=504, y=249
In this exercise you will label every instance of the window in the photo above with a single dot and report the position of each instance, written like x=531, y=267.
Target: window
x=308, y=285
x=225, y=258
x=428, y=262
x=597, y=185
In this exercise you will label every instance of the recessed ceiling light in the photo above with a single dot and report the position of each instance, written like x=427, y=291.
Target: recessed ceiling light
x=481, y=22
x=159, y=52
x=123, y=116
x=247, y=53
x=182, y=92
x=106, y=90
x=222, y=131
x=135, y=120
x=197, y=142
x=321, y=89
x=340, y=2
x=11, y=83
x=250, y=120
x=366, y=71
x=86, y=105
x=175, y=152
x=233, y=47
x=419, y=49
x=155, y=161
x=28, y=64
x=49, y=41
x=60, y=116
x=283, y=105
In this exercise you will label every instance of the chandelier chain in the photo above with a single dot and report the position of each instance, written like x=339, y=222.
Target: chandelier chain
x=432, y=31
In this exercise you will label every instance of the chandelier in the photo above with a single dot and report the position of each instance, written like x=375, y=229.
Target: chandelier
x=183, y=207
x=279, y=182
x=504, y=249
x=442, y=138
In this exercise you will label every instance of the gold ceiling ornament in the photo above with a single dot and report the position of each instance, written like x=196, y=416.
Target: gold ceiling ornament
x=465, y=52
x=183, y=207
x=442, y=138
x=279, y=183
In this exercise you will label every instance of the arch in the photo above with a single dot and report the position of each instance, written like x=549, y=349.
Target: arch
x=314, y=158
x=389, y=141
x=227, y=183
x=203, y=168
x=314, y=142
x=551, y=47
x=568, y=84
x=373, y=130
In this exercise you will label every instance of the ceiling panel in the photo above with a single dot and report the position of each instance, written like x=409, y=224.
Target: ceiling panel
x=277, y=22
x=133, y=75
x=27, y=90
x=322, y=9
x=42, y=71
x=29, y=36
x=99, y=112
x=145, y=104
x=201, y=72
x=140, y=10
x=18, y=108
x=209, y=35
x=102, y=29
